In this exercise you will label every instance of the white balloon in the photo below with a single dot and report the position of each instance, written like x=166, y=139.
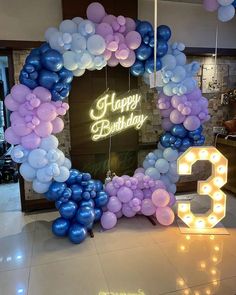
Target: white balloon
x=53, y=155
x=64, y=174
x=61, y=159
x=67, y=163
x=56, y=42
x=50, y=32
x=78, y=42
x=86, y=28
x=27, y=172
x=37, y=158
x=96, y=44
x=41, y=187
x=68, y=26
x=48, y=143
x=226, y=13
x=52, y=169
x=78, y=72
x=225, y=2
x=42, y=176
x=69, y=58
x=77, y=20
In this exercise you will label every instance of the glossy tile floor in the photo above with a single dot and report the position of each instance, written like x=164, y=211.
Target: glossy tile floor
x=134, y=258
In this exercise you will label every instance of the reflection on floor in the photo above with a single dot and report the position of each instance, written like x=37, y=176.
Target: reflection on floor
x=9, y=197
x=135, y=258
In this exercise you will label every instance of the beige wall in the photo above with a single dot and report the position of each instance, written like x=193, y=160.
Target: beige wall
x=190, y=23
x=28, y=19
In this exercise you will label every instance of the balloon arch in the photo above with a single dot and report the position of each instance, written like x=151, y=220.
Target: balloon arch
x=37, y=104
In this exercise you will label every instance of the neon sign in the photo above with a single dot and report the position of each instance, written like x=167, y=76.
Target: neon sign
x=211, y=186
x=113, y=114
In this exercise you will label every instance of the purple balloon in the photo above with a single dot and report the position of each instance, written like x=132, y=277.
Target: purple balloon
x=176, y=100
x=104, y=29
x=108, y=220
x=176, y=117
x=19, y=92
x=95, y=12
x=110, y=189
x=11, y=137
x=31, y=141
x=42, y=93
x=167, y=124
x=139, y=170
x=10, y=103
x=127, y=211
x=195, y=95
x=166, y=113
x=192, y=123
x=211, y=5
x=172, y=200
x=125, y=194
x=119, y=214
x=114, y=205
x=138, y=193
x=147, y=207
x=19, y=127
x=195, y=108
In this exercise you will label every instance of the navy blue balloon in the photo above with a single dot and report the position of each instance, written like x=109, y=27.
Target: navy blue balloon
x=101, y=199
x=177, y=143
x=186, y=143
x=165, y=139
x=93, y=194
x=143, y=52
x=47, y=79
x=144, y=28
x=98, y=214
x=149, y=65
x=55, y=191
x=27, y=81
x=234, y=3
x=68, y=209
x=179, y=130
x=86, y=176
x=195, y=134
x=85, y=215
x=73, y=176
x=146, y=39
x=67, y=193
x=88, y=203
x=162, y=48
x=76, y=192
x=98, y=185
x=34, y=60
x=77, y=233
x=172, y=139
x=137, y=69
x=58, y=204
x=60, y=227
x=65, y=75
x=44, y=48
x=52, y=60
x=86, y=195
x=163, y=32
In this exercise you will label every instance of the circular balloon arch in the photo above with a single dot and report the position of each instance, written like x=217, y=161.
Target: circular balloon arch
x=37, y=104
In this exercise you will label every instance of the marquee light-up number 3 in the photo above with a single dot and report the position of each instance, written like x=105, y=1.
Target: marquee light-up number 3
x=210, y=187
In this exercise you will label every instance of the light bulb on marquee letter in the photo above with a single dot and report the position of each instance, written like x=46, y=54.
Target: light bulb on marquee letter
x=210, y=187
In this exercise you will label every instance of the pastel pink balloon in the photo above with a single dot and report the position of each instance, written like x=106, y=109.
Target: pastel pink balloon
x=211, y=5
x=121, y=20
x=176, y=100
x=95, y=12
x=24, y=111
x=112, y=46
x=192, y=123
x=133, y=40
x=10, y=103
x=42, y=93
x=176, y=117
x=186, y=111
x=119, y=38
x=30, y=141
x=44, y=129
x=58, y=125
x=47, y=112
x=104, y=29
x=160, y=198
x=165, y=215
x=19, y=127
x=11, y=137
x=129, y=25
x=19, y=92
x=107, y=54
x=129, y=61
x=113, y=61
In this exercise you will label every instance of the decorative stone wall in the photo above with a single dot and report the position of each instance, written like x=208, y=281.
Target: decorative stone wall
x=19, y=57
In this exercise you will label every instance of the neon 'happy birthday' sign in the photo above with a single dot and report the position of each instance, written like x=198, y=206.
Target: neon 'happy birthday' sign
x=113, y=114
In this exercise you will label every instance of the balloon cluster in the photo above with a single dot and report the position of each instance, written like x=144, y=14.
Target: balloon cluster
x=44, y=67
x=140, y=194
x=190, y=109
x=34, y=116
x=177, y=76
x=81, y=47
x=226, y=8
x=119, y=34
x=80, y=201
x=42, y=165
x=161, y=165
x=181, y=139
x=145, y=53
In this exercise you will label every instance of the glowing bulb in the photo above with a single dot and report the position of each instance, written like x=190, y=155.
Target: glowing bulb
x=217, y=248
x=181, y=282
x=203, y=154
x=213, y=271
x=214, y=259
x=212, y=237
x=218, y=208
x=187, y=218
x=203, y=265
x=200, y=223
x=190, y=157
x=221, y=169
x=215, y=283
x=206, y=188
x=215, y=157
x=184, y=168
x=219, y=181
x=212, y=219
x=196, y=293
x=182, y=247
x=208, y=291
x=186, y=292
x=183, y=207
x=188, y=237
x=218, y=196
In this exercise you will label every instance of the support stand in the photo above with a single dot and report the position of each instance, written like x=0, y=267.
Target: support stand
x=91, y=233
x=152, y=220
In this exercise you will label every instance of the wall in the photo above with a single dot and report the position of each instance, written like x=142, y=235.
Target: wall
x=190, y=23
x=28, y=19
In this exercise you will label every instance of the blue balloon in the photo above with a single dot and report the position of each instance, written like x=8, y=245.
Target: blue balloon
x=98, y=214
x=76, y=192
x=68, y=210
x=60, y=227
x=172, y=139
x=177, y=143
x=52, y=60
x=101, y=199
x=165, y=139
x=93, y=194
x=77, y=233
x=89, y=203
x=47, y=79
x=86, y=195
x=163, y=32
x=67, y=193
x=86, y=176
x=55, y=191
x=34, y=60
x=44, y=48
x=137, y=69
x=85, y=215
x=65, y=75
x=98, y=185
x=146, y=40
x=144, y=28
x=234, y=3
x=73, y=176
x=162, y=48
x=143, y=52
x=186, y=143
x=179, y=130
x=58, y=204
x=149, y=65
